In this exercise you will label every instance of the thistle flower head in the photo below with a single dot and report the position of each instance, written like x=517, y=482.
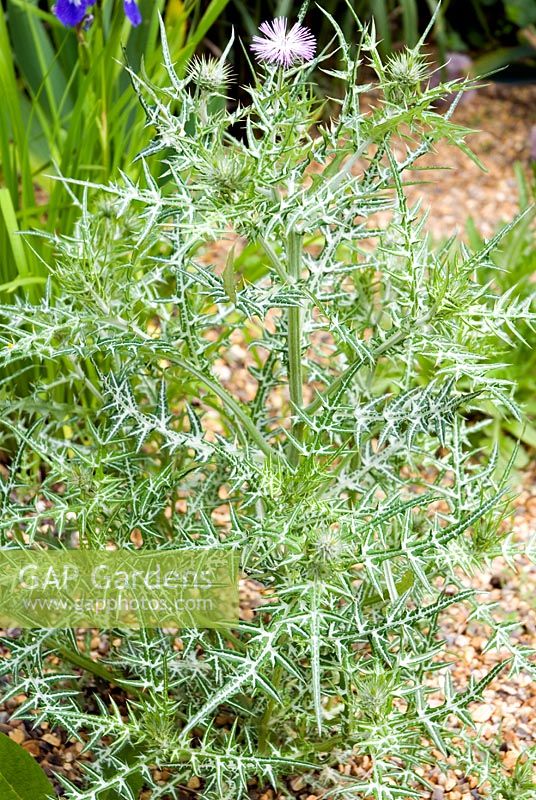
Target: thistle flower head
x=281, y=46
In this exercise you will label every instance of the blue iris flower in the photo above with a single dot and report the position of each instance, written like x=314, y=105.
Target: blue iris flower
x=132, y=11
x=72, y=12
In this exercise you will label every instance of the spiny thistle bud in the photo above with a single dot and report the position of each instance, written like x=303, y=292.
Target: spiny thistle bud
x=157, y=726
x=375, y=692
x=226, y=178
x=271, y=479
x=329, y=545
x=405, y=71
x=209, y=74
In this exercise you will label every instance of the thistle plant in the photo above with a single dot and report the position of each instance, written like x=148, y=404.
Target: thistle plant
x=346, y=480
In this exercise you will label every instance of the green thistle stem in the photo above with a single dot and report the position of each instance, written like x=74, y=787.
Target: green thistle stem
x=294, y=256
x=94, y=667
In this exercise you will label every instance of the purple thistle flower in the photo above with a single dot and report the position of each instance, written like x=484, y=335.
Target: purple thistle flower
x=71, y=12
x=132, y=12
x=279, y=46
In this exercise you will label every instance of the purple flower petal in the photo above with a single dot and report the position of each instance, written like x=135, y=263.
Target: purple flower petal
x=132, y=11
x=71, y=12
x=281, y=46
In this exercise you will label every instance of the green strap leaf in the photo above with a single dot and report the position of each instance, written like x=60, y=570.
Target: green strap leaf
x=21, y=778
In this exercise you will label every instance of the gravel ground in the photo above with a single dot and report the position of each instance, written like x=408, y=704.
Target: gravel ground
x=505, y=120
